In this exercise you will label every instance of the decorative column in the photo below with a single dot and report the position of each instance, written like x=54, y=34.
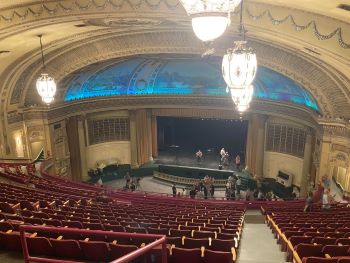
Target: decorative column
x=260, y=145
x=133, y=141
x=256, y=144
x=250, y=149
x=82, y=148
x=154, y=137
x=149, y=135
x=324, y=155
x=74, y=149
x=306, y=165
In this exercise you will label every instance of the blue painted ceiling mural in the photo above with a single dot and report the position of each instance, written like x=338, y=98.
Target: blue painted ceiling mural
x=177, y=76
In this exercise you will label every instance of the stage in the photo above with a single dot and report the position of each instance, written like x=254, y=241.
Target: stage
x=183, y=157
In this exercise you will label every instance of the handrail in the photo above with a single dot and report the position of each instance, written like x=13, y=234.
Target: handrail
x=161, y=240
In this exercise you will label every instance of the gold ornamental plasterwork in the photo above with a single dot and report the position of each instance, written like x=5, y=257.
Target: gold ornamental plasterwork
x=298, y=69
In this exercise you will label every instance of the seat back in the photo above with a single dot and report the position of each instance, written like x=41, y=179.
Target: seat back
x=67, y=248
x=40, y=246
x=295, y=240
x=222, y=245
x=185, y=255
x=323, y=240
x=211, y=256
x=118, y=251
x=309, y=250
x=195, y=242
x=180, y=233
x=336, y=251
x=204, y=234
x=11, y=241
x=95, y=250
x=319, y=260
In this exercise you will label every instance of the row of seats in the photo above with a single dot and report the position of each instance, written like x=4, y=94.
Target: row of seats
x=211, y=227
x=310, y=237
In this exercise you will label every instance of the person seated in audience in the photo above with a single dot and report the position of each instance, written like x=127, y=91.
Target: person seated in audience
x=327, y=199
x=261, y=195
x=138, y=185
x=269, y=196
x=127, y=178
x=308, y=202
x=248, y=194
x=205, y=191
x=212, y=190
x=174, y=190
x=99, y=182
x=193, y=193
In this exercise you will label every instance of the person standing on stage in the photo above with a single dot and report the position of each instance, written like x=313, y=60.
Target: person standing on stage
x=238, y=162
x=222, y=154
x=199, y=156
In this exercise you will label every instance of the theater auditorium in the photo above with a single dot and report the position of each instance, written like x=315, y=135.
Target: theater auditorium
x=181, y=131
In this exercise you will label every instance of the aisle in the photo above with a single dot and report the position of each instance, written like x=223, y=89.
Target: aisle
x=257, y=242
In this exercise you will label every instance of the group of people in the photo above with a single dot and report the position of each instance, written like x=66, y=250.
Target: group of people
x=131, y=183
x=203, y=188
x=224, y=159
x=320, y=195
x=233, y=187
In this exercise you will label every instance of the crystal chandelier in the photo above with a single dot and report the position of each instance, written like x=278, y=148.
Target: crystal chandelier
x=210, y=18
x=239, y=66
x=45, y=85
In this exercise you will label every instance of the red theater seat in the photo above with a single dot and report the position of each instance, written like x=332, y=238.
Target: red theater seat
x=69, y=249
x=40, y=246
x=336, y=251
x=118, y=251
x=95, y=250
x=319, y=260
x=195, y=242
x=222, y=245
x=183, y=255
x=218, y=256
x=308, y=250
x=204, y=234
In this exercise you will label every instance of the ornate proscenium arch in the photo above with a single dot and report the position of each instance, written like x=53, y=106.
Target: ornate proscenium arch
x=165, y=75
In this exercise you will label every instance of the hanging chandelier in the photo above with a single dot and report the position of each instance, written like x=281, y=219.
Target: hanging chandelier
x=239, y=66
x=45, y=85
x=210, y=18
x=242, y=97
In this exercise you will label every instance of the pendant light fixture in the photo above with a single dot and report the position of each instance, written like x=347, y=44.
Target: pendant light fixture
x=239, y=66
x=45, y=85
x=210, y=18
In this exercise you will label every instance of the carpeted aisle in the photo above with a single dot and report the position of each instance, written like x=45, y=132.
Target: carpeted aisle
x=257, y=243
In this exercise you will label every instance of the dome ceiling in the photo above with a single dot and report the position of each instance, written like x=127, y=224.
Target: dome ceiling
x=176, y=75
x=308, y=41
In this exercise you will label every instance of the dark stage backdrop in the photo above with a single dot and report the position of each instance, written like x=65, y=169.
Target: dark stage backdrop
x=191, y=134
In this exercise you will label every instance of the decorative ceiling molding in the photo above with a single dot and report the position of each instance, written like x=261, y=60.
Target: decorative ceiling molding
x=37, y=9
x=298, y=114
x=83, y=53
x=291, y=21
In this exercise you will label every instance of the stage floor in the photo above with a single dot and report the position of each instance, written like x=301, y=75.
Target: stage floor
x=185, y=158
